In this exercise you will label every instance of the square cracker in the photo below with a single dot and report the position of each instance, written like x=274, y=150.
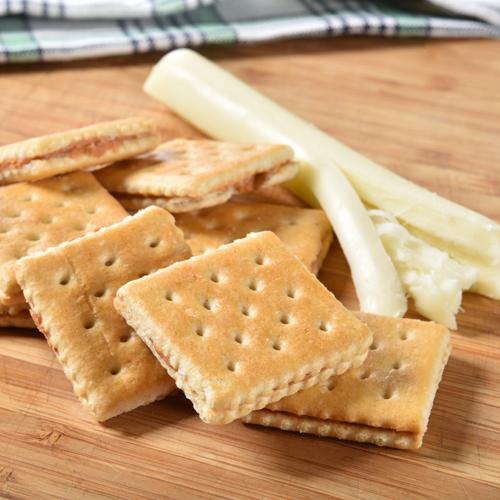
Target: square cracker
x=70, y=290
x=387, y=401
x=36, y=216
x=306, y=232
x=194, y=171
x=237, y=332
x=77, y=149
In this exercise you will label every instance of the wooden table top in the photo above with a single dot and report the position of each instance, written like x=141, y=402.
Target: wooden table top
x=429, y=110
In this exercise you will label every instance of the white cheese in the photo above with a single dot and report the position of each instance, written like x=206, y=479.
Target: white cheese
x=487, y=282
x=430, y=276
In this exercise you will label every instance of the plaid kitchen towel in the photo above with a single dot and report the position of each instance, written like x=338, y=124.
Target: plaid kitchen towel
x=55, y=30
x=98, y=9
x=487, y=10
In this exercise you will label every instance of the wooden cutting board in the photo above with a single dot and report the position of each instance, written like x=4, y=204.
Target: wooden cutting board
x=428, y=110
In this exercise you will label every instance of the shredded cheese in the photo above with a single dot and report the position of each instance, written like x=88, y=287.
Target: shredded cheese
x=430, y=276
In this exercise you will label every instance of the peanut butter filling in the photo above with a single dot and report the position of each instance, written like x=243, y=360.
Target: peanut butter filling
x=91, y=147
x=246, y=185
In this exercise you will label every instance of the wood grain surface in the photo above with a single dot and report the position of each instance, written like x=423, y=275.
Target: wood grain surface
x=429, y=110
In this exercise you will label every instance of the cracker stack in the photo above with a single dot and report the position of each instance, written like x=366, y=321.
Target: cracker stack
x=237, y=333
x=243, y=327
x=387, y=401
x=183, y=175
x=86, y=147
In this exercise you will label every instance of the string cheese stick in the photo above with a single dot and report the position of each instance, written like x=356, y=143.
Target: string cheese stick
x=225, y=108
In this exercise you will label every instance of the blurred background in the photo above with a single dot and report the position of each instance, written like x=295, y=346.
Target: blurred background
x=61, y=30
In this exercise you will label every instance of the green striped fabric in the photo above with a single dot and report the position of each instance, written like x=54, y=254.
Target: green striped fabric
x=55, y=30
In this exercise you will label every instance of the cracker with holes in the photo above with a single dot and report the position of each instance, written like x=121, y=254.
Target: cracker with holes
x=70, y=290
x=36, y=216
x=243, y=326
x=183, y=175
x=306, y=232
x=387, y=401
x=77, y=149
